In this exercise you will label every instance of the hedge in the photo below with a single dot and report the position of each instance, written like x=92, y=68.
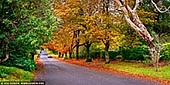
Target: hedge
x=137, y=53
x=165, y=54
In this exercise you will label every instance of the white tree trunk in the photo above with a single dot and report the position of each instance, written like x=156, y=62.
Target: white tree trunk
x=140, y=28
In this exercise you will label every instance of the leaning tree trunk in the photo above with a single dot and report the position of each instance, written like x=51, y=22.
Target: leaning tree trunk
x=133, y=21
x=6, y=54
x=155, y=55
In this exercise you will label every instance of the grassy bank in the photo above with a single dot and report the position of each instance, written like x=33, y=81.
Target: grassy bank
x=14, y=74
x=140, y=69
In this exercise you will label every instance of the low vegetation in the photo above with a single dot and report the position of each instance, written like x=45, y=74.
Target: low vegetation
x=23, y=63
x=141, y=69
x=14, y=74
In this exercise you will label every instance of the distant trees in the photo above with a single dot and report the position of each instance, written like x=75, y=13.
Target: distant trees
x=88, y=22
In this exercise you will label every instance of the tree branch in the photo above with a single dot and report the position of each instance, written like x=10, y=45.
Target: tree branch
x=167, y=9
x=136, y=23
x=127, y=16
x=136, y=5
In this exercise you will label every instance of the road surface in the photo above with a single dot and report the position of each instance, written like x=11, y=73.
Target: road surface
x=61, y=73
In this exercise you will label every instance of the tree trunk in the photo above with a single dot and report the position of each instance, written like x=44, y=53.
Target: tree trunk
x=7, y=54
x=59, y=54
x=66, y=54
x=70, y=53
x=155, y=55
x=77, y=52
x=87, y=45
x=87, y=51
x=134, y=21
x=32, y=55
x=77, y=44
x=107, y=58
x=62, y=55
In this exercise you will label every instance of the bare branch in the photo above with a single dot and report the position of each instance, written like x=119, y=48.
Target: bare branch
x=166, y=10
x=136, y=4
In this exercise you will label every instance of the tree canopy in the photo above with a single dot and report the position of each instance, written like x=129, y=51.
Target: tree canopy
x=25, y=26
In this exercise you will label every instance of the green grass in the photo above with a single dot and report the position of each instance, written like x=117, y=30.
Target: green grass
x=14, y=74
x=138, y=68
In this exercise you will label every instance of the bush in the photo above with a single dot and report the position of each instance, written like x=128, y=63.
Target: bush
x=55, y=52
x=112, y=55
x=165, y=53
x=20, y=57
x=65, y=57
x=103, y=55
x=23, y=63
x=3, y=75
x=89, y=59
x=137, y=53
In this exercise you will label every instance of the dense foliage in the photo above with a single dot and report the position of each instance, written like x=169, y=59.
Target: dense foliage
x=25, y=26
x=165, y=54
x=23, y=63
x=137, y=53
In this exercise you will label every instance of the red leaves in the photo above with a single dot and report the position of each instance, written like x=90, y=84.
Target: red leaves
x=39, y=65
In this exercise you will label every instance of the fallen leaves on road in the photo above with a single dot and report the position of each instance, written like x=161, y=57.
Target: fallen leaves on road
x=97, y=64
x=39, y=65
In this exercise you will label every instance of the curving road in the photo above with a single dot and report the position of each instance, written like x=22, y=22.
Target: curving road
x=61, y=73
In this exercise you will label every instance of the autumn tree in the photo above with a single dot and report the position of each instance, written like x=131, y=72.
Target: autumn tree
x=80, y=20
x=68, y=11
x=107, y=25
x=149, y=19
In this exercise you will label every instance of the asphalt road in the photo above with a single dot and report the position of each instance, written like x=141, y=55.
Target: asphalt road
x=61, y=73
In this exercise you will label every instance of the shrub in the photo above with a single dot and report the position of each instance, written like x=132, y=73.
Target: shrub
x=89, y=59
x=23, y=63
x=65, y=57
x=3, y=75
x=103, y=55
x=55, y=52
x=165, y=53
x=137, y=53
x=112, y=55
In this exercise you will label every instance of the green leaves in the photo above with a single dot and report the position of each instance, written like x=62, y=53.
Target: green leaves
x=2, y=36
x=26, y=25
x=9, y=1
